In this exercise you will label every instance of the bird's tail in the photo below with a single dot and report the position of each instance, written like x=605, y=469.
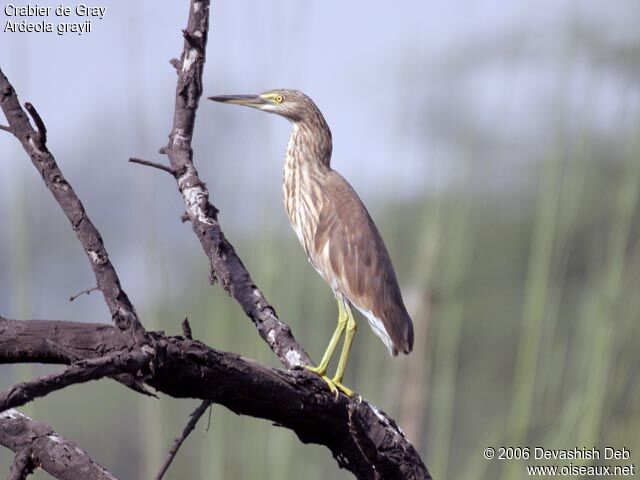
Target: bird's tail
x=404, y=342
x=396, y=330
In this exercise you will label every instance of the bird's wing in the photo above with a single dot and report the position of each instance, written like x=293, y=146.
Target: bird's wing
x=350, y=253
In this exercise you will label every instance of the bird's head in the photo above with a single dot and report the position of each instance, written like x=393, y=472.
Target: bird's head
x=291, y=104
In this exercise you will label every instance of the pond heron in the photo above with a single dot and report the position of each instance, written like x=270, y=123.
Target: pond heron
x=336, y=231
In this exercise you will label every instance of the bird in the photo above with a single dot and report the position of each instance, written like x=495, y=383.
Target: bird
x=336, y=231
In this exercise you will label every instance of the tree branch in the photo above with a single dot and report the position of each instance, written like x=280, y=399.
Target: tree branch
x=148, y=163
x=85, y=292
x=361, y=437
x=80, y=372
x=44, y=448
x=191, y=424
x=22, y=465
x=225, y=265
x=34, y=143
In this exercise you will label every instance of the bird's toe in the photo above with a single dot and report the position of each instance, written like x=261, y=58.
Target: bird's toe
x=321, y=372
x=347, y=391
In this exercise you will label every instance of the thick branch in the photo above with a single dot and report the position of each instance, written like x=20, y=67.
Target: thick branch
x=38, y=445
x=34, y=143
x=361, y=437
x=225, y=265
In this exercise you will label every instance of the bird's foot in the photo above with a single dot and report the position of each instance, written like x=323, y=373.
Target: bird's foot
x=334, y=385
x=347, y=391
x=321, y=372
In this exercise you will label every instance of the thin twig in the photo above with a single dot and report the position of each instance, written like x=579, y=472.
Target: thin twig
x=135, y=384
x=186, y=329
x=6, y=129
x=209, y=420
x=87, y=291
x=191, y=424
x=148, y=163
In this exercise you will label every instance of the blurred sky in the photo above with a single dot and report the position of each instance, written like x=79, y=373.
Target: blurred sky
x=402, y=86
x=369, y=66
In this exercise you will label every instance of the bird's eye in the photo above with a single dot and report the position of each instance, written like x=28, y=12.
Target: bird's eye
x=278, y=98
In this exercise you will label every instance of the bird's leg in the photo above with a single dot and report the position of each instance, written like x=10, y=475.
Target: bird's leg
x=344, y=356
x=321, y=369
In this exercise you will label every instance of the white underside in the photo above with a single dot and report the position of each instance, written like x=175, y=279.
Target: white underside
x=378, y=328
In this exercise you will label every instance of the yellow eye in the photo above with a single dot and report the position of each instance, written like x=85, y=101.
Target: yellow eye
x=278, y=98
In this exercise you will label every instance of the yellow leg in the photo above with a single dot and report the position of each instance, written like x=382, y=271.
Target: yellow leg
x=321, y=369
x=344, y=356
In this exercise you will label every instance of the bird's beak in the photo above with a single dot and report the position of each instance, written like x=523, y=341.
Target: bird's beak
x=255, y=101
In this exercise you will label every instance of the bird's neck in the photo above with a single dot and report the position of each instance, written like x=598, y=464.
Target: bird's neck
x=310, y=144
x=307, y=163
